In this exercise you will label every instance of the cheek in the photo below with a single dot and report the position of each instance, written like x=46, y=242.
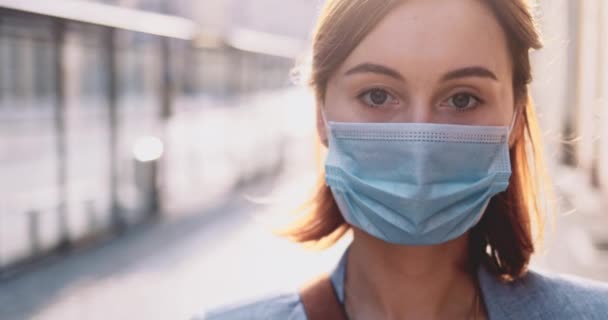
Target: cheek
x=338, y=105
x=500, y=110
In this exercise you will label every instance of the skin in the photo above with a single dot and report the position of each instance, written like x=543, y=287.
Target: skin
x=416, y=46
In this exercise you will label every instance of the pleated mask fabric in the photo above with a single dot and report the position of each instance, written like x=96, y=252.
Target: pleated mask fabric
x=415, y=183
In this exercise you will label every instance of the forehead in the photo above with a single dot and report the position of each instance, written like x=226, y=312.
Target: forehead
x=436, y=35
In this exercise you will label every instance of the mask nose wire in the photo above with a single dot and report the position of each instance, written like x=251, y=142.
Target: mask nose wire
x=511, y=126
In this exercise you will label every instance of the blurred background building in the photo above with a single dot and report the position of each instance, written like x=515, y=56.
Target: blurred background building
x=570, y=93
x=119, y=116
x=78, y=92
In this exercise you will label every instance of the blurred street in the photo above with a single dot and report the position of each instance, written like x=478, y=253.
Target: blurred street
x=172, y=269
x=226, y=254
x=148, y=149
x=575, y=240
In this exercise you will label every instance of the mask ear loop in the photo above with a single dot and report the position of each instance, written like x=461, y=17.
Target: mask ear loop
x=325, y=124
x=324, y=116
x=513, y=121
x=325, y=121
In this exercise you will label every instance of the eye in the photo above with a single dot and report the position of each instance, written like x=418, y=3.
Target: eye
x=376, y=98
x=463, y=101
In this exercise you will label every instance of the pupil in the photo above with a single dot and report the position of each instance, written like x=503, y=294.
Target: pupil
x=378, y=96
x=461, y=101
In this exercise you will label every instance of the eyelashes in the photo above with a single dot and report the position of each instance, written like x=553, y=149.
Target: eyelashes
x=377, y=98
x=463, y=101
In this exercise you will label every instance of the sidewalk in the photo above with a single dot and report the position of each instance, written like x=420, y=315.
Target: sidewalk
x=171, y=270
x=578, y=243
x=180, y=267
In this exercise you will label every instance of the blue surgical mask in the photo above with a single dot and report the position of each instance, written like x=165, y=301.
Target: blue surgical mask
x=415, y=183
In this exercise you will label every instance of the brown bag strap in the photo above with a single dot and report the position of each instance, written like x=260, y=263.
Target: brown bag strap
x=320, y=300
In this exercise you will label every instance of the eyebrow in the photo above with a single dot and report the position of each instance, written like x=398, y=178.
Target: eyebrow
x=375, y=68
x=474, y=71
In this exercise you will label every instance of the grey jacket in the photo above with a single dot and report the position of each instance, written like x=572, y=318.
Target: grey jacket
x=535, y=296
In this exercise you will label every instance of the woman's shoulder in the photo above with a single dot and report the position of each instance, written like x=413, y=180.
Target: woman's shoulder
x=584, y=292
x=547, y=295
x=284, y=306
x=555, y=296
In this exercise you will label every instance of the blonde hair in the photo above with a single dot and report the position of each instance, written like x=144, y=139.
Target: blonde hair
x=503, y=239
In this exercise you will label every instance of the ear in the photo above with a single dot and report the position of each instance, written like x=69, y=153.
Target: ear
x=321, y=130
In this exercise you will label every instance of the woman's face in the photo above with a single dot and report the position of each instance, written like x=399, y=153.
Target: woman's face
x=433, y=61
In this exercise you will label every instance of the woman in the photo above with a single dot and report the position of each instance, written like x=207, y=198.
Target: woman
x=424, y=108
